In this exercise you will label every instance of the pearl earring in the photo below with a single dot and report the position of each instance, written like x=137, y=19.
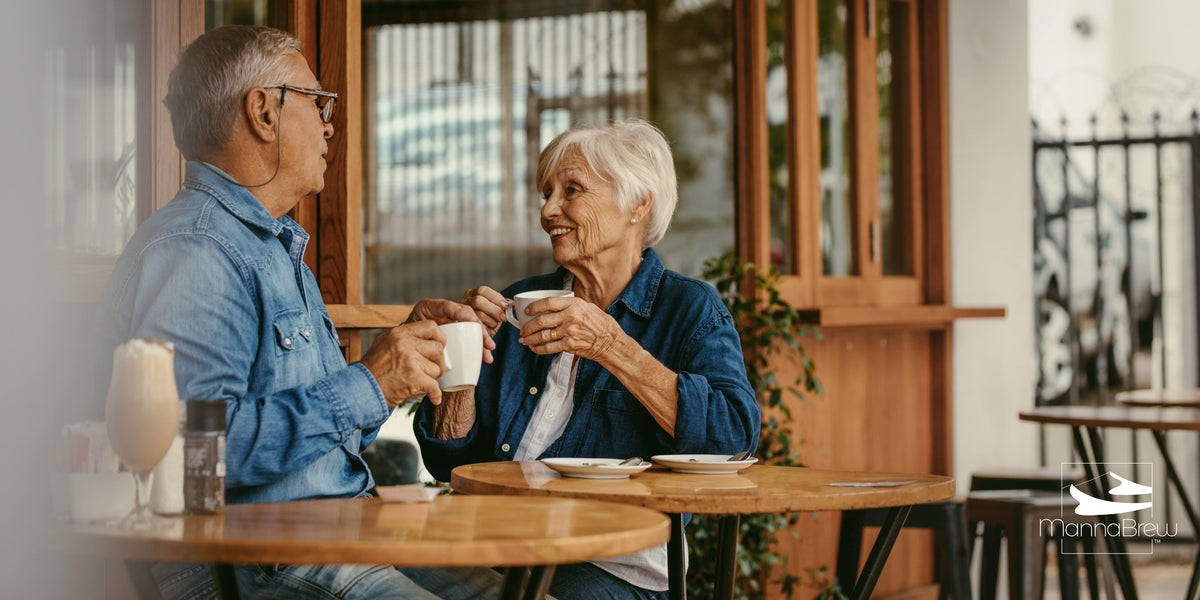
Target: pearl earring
x=633, y=220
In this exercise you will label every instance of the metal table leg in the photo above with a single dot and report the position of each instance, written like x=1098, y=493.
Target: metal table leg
x=676, y=559
x=227, y=585
x=1092, y=458
x=539, y=582
x=516, y=581
x=727, y=542
x=892, y=523
x=1160, y=438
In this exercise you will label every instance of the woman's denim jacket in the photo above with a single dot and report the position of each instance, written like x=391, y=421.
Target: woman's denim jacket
x=681, y=321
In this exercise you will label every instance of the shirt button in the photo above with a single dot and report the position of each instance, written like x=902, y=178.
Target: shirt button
x=287, y=342
x=504, y=448
x=532, y=391
x=550, y=414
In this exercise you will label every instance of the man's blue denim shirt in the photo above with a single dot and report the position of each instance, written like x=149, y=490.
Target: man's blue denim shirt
x=216, y=275
x=681, y=321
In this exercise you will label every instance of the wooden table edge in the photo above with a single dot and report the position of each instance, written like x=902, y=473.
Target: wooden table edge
x=418, y=553
x=852, y=498
x=1099, y=421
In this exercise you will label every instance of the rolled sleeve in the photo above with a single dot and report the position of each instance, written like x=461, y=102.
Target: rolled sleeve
x=355, y=399
x=717, y=409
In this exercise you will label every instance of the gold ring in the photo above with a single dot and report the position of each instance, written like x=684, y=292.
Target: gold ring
x=554, y=334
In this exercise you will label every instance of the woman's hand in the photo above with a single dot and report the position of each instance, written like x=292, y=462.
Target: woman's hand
x=489, y=307
x=571, y=325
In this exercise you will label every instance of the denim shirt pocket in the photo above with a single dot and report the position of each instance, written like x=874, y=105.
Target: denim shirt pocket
x=295, y=347
x=619, y=425
x=330, y=329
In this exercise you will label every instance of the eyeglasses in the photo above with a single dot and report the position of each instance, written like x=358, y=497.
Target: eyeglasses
x=324, y=100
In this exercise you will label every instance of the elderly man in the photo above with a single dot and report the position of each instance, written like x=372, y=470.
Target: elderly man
x=218, y=272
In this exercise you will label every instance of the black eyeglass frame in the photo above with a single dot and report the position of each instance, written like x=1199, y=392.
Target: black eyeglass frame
x=326, y=109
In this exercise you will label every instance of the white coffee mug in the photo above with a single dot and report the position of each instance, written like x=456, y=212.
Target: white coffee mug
x=463, y=355
x=516, y=310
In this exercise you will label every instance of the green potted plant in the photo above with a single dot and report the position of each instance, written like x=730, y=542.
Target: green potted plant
x=767, y=324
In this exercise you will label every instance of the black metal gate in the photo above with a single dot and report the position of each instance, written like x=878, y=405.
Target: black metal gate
x=1101, y=208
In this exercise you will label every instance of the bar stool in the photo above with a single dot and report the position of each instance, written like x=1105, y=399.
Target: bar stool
x=1042, y=479
x=1016, y=516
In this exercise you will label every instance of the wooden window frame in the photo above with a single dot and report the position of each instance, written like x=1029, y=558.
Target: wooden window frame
x=924, y=179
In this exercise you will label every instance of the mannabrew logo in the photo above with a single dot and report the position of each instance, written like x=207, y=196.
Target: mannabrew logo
x=1090, y=505
x=1128, y=496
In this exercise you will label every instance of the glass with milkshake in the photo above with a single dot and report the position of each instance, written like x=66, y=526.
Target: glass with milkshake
x=142, y=414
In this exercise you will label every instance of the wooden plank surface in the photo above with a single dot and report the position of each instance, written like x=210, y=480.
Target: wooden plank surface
x=913, y=316
x=451, y=531
x=805, y=156
x=339, y=207
x=758, y=489
x=750, y=142
x=367, y=316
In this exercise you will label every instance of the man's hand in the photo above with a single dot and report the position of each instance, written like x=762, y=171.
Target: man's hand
x=407, y=361
x=489, y=306
x=447, y=311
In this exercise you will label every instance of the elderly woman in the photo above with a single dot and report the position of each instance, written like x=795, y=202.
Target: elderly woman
x=641, y=361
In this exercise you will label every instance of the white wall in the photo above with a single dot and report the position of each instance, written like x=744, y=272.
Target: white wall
x=1105, y=55
x=991, y=234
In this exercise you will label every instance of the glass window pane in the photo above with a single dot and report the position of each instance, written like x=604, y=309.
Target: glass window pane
x=837, y=209
x=461, y=103
x=234, y=12
x=895, y=172
x=91, y=104
x=691, y=100
x=782, y=252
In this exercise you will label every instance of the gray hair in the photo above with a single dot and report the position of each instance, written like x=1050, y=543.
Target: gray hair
x=207, y=88
x=632, y=155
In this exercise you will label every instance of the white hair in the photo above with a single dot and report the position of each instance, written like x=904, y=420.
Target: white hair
x=207, y=89
x=632, y=155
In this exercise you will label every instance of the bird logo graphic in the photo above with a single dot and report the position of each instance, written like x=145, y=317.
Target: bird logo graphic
x=1090, y=505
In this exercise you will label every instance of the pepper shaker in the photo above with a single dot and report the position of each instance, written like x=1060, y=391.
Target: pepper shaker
x=204, y=457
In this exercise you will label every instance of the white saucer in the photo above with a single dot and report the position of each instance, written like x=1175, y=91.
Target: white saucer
x=594, y=468
x=703, y=464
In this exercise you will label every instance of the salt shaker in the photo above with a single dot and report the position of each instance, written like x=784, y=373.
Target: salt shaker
x=204, y=457
x=166, y=489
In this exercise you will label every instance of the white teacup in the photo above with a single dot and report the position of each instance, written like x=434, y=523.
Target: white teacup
x=516, y=310
x=463, y=355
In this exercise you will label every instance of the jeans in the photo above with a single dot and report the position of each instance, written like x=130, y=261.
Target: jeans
x=188, y=581
x=581, y=581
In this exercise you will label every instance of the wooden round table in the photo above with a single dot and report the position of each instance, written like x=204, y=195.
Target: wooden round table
x=758, y=489
x=451, y=531
x=1183, y=398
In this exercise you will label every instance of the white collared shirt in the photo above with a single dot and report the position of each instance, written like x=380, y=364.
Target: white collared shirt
x=646, y=569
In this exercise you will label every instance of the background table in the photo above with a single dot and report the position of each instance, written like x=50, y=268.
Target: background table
x=451, y=531
x=1090, y=420
x=1185, y=398
x=759, y=489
